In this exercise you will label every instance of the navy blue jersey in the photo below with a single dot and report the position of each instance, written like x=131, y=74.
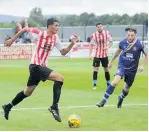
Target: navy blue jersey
x=130, y=55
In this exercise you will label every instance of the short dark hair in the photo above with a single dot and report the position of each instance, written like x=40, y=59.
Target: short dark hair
x=131, y=29
x=99, y=23
x=126, y=29
x=51, y=21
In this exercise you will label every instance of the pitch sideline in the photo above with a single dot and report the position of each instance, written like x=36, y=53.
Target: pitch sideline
x=70, y=107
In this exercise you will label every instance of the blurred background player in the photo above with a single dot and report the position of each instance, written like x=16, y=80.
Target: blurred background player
x=89, y=38
x=38, y=65
x=103, y=41
x=130, y=50
x=24, y=38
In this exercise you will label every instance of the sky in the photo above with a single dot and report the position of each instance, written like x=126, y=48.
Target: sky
x=50, y=7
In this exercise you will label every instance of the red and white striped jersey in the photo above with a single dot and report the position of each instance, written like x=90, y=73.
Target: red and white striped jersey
x=44, y=45
x=101, y=40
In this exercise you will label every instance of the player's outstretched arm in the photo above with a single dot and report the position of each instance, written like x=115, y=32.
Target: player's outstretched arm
x=116, y=54
x=10, y=41
x=67, y=49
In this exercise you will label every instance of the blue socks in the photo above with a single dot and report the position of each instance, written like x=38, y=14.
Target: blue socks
x=108, y=92
x=123, y=94
x=95, y=83
x=108, y=83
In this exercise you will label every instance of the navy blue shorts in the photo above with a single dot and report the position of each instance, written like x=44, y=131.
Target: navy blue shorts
x=128, y=76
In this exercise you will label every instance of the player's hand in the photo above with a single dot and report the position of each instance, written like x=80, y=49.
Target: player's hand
x=110, y=65
x=74, y=39
x=8, y=42
x=141, y=68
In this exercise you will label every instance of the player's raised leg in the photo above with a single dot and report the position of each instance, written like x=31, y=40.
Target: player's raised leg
x=33, y=81
x=109, y=91
x=18, y=98
x=58, y=82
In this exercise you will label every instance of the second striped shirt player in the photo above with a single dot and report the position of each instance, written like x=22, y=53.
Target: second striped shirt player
x=102, y=40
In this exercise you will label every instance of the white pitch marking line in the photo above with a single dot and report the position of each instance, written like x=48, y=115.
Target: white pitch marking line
x=69, y=107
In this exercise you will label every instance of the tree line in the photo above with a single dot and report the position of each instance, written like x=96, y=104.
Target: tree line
x=37, y=19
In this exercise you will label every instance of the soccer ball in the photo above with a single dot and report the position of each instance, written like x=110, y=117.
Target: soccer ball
x=74, y=121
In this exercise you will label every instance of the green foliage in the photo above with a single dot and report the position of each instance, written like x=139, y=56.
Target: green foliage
x=36, y=19
x=92, y=19
x=7, y=25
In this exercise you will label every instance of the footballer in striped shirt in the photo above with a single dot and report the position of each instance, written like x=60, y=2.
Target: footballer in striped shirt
x=45, y=42
x=102, y=40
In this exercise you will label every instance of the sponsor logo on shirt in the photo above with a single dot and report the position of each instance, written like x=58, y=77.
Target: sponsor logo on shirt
x=134, y=48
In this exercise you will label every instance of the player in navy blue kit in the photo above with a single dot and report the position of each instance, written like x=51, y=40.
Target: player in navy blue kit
x=129, y=50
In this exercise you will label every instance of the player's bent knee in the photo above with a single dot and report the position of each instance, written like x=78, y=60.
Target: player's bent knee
x=127, y=87
x=56, y=77
x=106, y=69
x=114, y=83
x=60, y=78
x=96, y=69
x=28, y=91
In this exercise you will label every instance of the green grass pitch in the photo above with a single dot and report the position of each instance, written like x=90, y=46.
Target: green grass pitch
x=76, y=91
